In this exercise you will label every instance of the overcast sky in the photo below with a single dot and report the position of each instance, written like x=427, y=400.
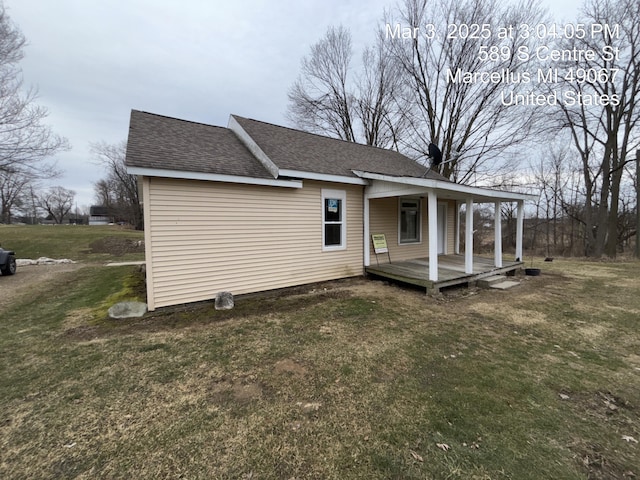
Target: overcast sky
x=95, y=60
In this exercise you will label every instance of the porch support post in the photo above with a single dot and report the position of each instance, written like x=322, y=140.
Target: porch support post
x=498, y=234
x=468, y=238
x=432, y=210
x=456, y=240
x=367, y=241
x=519, y=231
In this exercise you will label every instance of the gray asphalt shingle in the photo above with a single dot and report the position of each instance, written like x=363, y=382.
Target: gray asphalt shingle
x=160, y=142
x=297, y=150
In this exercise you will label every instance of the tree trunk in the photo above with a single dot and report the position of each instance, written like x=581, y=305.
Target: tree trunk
x=611, y=247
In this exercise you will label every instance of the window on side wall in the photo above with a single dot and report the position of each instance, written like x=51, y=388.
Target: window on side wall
x=334, y=220
x=409, y=220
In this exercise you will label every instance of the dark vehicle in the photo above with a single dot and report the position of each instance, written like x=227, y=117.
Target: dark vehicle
x=7, y=262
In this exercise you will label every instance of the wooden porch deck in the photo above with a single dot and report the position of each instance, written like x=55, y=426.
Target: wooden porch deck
x=450, y=271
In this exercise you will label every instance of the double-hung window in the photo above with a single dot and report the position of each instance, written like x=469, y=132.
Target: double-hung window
x=334, y=221
x=409, y=220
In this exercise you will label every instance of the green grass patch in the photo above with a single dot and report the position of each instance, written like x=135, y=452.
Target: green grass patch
x=76, y=242
x=355, y=380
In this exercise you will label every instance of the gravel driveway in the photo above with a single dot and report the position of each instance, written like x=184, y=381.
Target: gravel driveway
x=27, y=279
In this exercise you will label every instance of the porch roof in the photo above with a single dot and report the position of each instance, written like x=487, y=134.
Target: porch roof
x=390, y=186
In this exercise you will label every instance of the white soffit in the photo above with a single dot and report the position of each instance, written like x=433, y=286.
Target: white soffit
x=389, y=186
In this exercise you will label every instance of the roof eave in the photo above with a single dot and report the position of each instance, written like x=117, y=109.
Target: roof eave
x=323, y=177
x=212, y=177
x=479, y=194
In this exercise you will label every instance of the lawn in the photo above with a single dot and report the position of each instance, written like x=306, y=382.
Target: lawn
x=76, y=242
x=352, y=379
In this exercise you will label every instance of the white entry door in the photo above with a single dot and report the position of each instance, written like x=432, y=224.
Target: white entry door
x=442, y=228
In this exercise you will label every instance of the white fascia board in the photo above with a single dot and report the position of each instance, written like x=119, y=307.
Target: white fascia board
x=212, y=177
x=253, y=147
x=323, y=177
x=475, y=192
x=382, y=189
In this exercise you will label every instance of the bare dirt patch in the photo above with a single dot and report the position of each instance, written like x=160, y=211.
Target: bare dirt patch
x=117, y=246
x=237, y=390
x=289, y=367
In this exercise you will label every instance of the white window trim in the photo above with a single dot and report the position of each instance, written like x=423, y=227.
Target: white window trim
x=420, y=210
x=341, y=195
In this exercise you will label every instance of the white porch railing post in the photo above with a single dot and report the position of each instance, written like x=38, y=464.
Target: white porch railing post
x=498, y=234
x=367, y=241
x=456, y=242
x=468, y=238
x=519, y=231
x=432, y=210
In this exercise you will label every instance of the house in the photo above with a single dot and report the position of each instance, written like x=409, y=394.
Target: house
x=99, y=215
x=256, y=206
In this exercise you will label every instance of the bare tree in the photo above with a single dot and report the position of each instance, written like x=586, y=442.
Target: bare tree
x=600, y=109
x=104, y=193
x=13, y=186
x=25, y=142
x=552, y=176
x=57, y=202
x=320, y=100
x=119, y=190
x=459, y=106
x=381, y=98
x=329, y=98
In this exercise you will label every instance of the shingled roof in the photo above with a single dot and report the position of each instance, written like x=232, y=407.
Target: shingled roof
x=159, y=142
x=308, y=152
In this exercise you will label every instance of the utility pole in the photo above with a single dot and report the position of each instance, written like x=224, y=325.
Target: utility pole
x=638, y=203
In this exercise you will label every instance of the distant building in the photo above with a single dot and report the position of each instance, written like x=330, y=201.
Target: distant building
x=99, y=215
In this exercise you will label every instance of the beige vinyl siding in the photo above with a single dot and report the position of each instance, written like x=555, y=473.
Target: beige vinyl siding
x=451, y=227
x=383, y=218
x=208, y=237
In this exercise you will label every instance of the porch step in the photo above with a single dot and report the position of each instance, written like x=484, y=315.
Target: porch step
x=505, y=285
x=488, y=281
x=499, y=282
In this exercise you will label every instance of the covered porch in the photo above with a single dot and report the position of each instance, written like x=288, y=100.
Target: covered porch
x=451, y=271
x=424, y=246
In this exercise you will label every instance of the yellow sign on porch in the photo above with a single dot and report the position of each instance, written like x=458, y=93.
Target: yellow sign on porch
x=379, y=243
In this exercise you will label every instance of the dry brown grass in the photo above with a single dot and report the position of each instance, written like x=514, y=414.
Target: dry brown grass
x=352, y=379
